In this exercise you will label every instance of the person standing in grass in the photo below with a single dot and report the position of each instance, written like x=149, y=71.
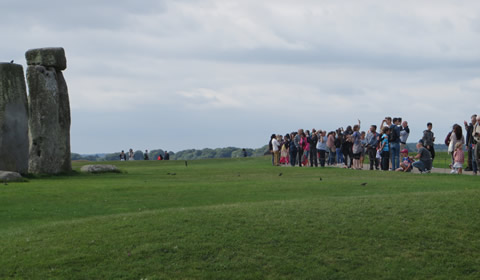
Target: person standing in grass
x=363, y=140
x=145, y=155
x=322, y=147
x=459, y=158
x=476, y=145
x=404, y=133
x=424, y=162
x=276, y=151
x=338, y=147
x=455, y=137
x=298, y=144
x=372, y=144
x=347, y=147
x=270, y=147
x=357, y=146
x=166, y=155
x=469, y=140
x=131, y=155
x=123, y=156
x=385, y=148
x=293, y=149
x=312, y=142
x=395, y=143
x=429, y=139
x=331, y=148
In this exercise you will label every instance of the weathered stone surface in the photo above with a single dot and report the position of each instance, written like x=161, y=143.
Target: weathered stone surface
x=97, y=168
x=9, y=176
x=13, y=119
x=49, y=121
x=48, y=57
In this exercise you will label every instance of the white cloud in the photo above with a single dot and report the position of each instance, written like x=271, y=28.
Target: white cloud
x=250, y=67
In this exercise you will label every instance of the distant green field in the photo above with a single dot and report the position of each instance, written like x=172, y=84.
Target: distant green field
x=239, y=219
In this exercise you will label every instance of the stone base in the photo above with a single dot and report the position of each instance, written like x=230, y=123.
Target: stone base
x=98, y=168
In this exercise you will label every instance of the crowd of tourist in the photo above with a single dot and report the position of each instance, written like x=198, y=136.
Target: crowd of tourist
x=385, y=148
x=131, y=155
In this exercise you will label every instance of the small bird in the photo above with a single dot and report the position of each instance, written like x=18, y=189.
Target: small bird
x=173, y=174
x=280, y=174
x=321, y=179
x=363, y=184
x=168, y=173
x=186, y=163
x=11, y=61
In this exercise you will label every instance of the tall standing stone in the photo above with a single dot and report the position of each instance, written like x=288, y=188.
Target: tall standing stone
x=13, y=119
x=49, y=109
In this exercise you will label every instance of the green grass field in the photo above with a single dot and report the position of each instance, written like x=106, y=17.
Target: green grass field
x=238, y=219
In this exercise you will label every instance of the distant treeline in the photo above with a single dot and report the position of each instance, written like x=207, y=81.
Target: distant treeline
x=229, y=152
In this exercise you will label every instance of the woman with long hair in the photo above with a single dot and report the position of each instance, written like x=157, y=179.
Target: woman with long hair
x=455, y=137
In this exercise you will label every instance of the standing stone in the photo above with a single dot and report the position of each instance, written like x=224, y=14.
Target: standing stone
x=13, y=119
x=49, y=109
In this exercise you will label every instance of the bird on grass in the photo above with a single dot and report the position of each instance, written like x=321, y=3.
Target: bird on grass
x=321, y=179
x=280, y=174
x=363, y=184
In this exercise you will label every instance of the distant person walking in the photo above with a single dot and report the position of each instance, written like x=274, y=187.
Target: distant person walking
x=145, y=155
x=428, y=140
x=166, y=156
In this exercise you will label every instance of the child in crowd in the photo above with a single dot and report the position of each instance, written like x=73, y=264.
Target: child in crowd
x=406, y=164
x=459, y=158
x=284, y=160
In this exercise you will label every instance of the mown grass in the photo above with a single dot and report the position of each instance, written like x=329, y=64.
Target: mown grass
x=238, y=219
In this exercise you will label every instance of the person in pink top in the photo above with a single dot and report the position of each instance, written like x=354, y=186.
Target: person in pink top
x=459, y=158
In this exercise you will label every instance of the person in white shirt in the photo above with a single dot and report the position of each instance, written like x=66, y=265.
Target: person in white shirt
x=276, y=151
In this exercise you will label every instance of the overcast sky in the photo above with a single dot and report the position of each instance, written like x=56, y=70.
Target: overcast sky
x=214, y=73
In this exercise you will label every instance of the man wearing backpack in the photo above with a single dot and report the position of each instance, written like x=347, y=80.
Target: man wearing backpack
x=299, y=146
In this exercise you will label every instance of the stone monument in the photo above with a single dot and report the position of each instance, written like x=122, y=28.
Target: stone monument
x=49, y=110
x=13, y=119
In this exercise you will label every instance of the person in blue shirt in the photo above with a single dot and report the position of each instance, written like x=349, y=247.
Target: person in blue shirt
x=385, y=148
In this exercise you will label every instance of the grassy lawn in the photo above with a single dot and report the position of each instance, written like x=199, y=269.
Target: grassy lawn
x=238, y=219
